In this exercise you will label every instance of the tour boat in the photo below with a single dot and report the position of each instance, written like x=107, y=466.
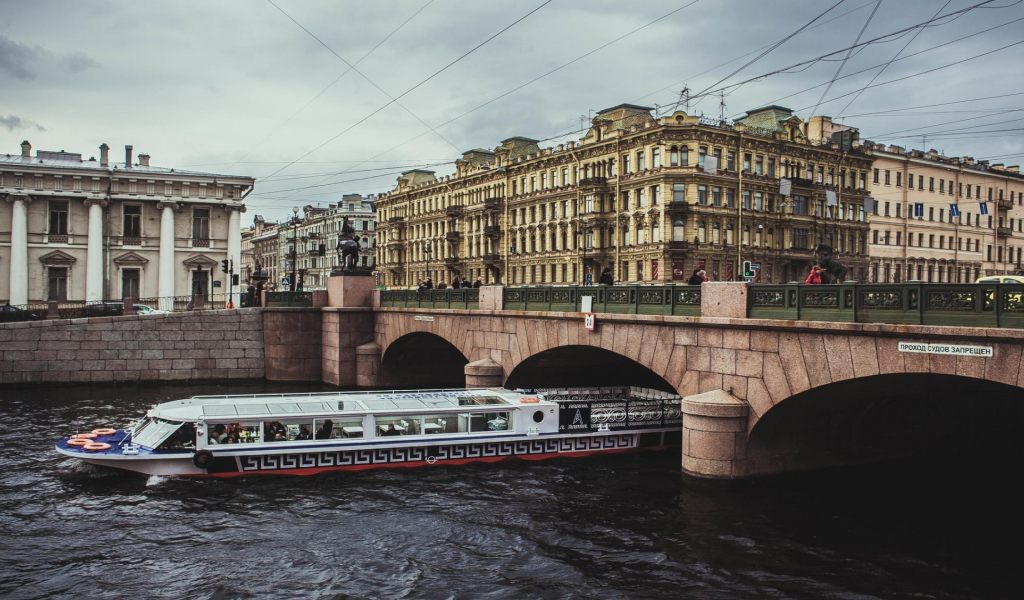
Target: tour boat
x=304, y=434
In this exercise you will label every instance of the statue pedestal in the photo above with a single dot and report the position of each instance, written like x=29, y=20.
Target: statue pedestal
x=350, y=289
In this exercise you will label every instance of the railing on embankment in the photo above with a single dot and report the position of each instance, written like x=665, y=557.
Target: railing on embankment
x=914, y=303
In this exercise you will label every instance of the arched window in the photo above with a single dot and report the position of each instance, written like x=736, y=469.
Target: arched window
x=729, y=234
x=673, y=156
x=655, y=232
x=702, y=232
x=746, y=235
x=716, y=234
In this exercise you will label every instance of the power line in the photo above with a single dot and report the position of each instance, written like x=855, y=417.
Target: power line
x=882, y=112
x=894, y=56
x=515, y=89
x=408, y=91
x=843, y=64
x=361, y=74
x=329, y=86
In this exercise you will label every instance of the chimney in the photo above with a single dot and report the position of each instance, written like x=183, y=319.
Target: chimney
x=26, y=149
x=144, y=160
x=128, y=156
x=1013, y=169
x=104, y=155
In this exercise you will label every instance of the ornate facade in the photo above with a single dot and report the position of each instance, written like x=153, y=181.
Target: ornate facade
x=637, y=195
x=98, y=230
x=932, y=244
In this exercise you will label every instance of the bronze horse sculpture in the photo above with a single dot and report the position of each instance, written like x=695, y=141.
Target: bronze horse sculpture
x=836, y=270
x=348, y=247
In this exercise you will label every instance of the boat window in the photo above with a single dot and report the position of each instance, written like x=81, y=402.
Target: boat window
x=151, y=435
x=234, y=433
x=395, y=425
x=379, y=404
x=219, y=410
x=314, y=407
x=433, y=424
x=480, y=400
x=296, y=429
x=483, y=422
x=184, y=438
x=251, y=409
x=283, y=408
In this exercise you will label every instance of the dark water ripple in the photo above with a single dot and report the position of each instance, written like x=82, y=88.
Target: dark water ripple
x=618, y=527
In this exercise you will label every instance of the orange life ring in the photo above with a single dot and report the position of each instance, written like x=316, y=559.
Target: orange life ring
x=84, y=436
x=78, y=442
x=529, y=400
x=104, y=431
x=95, y=447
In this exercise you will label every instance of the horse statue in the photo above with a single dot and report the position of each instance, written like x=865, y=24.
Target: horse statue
x=837, y=271
x=348, y=246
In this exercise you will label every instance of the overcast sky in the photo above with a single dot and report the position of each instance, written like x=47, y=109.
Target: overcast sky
x=240, y=87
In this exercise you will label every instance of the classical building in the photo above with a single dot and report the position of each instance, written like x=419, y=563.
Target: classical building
x=264, y=253
x=94, y=230
x=313, y=237
x=651, y=199
x=915, y=231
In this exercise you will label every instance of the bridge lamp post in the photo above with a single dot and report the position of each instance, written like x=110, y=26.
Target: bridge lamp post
x=295, y=245
x=426, y=254
x=585, y=230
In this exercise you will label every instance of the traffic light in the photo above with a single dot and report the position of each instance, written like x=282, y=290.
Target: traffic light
x=224, y=265
x=322, y=250
x=747, y=271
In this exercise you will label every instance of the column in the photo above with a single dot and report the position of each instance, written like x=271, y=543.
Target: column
x=166, y=272
x=484, y=373
x=94, y=261
x=715, y=436
x=19, y=249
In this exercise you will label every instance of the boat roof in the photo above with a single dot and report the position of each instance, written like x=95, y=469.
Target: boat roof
x=261, y=406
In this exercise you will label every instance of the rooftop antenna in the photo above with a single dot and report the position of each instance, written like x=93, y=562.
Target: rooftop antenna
x=684, y=99
x=721, y=107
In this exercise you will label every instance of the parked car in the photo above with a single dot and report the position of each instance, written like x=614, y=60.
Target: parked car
x=1012, y=279
x=13, y=314
x=103, y=309
x=142, y=309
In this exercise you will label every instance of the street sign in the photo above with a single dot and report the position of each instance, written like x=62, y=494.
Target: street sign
x=588, y=321
x=216, y=283
x=286, y=281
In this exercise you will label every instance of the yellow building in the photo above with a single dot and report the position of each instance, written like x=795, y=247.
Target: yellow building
x=932, y=244
x=651, y=199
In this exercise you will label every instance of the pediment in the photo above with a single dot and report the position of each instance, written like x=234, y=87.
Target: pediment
x=57, y=259
x=199, y=260
x=131, y=258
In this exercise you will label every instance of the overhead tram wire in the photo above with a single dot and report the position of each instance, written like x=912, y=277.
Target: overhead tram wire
x=363, y=75
x=894, y=57
x=907, y=57
x=843, y=64
x=329, y=86
x=766, y=52
x=408, y=91
x=892, y=110
x=1012, y=110
x=674, y=86
x=534, y=80
x=823, y=56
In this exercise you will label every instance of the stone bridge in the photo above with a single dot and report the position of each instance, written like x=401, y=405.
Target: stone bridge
x=760, y=396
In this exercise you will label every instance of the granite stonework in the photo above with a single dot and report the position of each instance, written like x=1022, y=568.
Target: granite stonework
x=343, y=330
x=758, y=362
x=195, y=345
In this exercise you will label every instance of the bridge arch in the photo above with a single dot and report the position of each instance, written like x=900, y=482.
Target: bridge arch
x=885, y=417
x=422, y=359
x=581, y=366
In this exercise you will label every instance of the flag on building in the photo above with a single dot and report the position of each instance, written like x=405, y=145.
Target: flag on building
x=984, y=208
x=869, y=205
x=785, y=187
x=654, y=269
x=830, y=198
x=954, y=211
x=711, y=165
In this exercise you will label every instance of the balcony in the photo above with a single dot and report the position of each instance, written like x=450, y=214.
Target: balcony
x=800, y=182
x=1004, y=232
x=682, y=245
x=592, y=182
x=492, y=259
x=396, y=219
x=1005, y=204
x=451, y=261
x=493, y=203
x=453, y=236
x=454, y=211
x=492, y=230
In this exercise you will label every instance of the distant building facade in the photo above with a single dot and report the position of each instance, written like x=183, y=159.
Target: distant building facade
x=915, y=233
x=313, y=237
x=95, y=230
x=637, y=195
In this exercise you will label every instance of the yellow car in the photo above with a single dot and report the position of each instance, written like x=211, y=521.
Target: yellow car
x=1001, y=279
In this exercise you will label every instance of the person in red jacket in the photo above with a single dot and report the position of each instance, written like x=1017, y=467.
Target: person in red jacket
x=815, y=275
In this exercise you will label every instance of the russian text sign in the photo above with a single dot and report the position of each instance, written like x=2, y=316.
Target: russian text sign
x=946, y=349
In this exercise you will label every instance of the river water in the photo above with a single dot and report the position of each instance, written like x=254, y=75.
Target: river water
x=625, y=526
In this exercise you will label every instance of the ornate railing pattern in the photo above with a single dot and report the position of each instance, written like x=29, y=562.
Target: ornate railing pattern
x=466, y=298
x=963, y=304
x=682, y=300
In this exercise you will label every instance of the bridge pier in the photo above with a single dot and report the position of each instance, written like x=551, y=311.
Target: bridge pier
x=714, y=435
x=484, y=373
x=368, y=365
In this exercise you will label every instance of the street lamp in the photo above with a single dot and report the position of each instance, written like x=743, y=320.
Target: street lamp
x=426, y=254
x=295, y=245
x=584, y=229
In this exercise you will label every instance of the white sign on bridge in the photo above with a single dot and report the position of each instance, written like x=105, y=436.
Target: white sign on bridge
x=946, y=349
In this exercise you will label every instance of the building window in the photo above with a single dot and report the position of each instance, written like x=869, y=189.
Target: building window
x=58, y=217
x=800, y=208
x=730, y=197
x=746, y=163
x=702, y=195
x=655, y=158
x=673, y=157
x=76, y=184
x=684, y=156
x=641, y=163
x=625, y=164
x=716, y=196
x=771, y=167
x=654, y=195
x=679, y=192
x=875, y=180
x=800, y=239
x=588, y=204
x=57, y=288
x=887, y=177
x=132, y=221
x=701, y=154
x=201, y=224
x=130, y=283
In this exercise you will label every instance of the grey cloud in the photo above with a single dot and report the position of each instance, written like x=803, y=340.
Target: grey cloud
x=12, y=122
x=16, y=58
x=77, y=62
